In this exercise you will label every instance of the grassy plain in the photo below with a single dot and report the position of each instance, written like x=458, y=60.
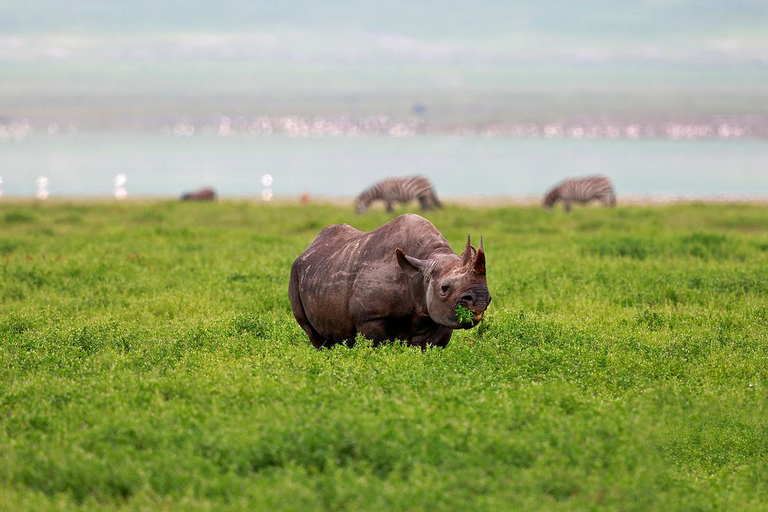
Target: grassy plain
x=149, y=361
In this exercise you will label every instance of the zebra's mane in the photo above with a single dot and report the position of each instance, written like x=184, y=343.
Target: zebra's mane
x=367, y=196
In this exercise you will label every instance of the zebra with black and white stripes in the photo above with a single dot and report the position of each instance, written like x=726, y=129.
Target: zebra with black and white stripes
x=399, y=190
x=581, y=190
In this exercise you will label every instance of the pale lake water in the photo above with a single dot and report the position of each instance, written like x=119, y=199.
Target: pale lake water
x=85, y=165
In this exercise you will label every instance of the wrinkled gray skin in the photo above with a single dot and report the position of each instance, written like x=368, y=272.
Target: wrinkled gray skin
x=400, y=281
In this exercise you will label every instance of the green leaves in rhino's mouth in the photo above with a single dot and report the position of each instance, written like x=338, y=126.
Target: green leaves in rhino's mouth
x=464, y=315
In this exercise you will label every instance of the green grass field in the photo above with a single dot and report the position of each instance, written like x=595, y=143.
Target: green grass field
x=149, y=360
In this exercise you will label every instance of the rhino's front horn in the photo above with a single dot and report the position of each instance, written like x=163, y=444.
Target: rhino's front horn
x=479, y=265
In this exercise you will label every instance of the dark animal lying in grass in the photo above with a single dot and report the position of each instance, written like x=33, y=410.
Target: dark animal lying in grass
x=401, y=281
x=204, y=194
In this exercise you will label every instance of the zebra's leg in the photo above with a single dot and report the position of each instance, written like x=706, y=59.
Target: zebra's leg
x=389, y=207
x=567, y=206
x=424, y=203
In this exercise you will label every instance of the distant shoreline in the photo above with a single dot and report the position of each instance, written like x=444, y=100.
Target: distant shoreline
x=574, y=126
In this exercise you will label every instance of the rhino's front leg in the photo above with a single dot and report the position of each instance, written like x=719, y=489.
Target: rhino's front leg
x=374, y=330
x=438, y=337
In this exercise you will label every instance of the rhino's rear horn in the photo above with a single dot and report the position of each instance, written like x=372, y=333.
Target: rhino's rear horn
x=468, y=255
x=479, y=264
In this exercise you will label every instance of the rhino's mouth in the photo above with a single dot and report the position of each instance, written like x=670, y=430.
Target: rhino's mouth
x=470, y=319
x=478, y=315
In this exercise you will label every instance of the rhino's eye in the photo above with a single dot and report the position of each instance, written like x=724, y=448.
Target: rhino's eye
x=445, y=289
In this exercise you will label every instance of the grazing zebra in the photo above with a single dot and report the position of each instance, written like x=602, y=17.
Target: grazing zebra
x=581, y=190
x=401, y=190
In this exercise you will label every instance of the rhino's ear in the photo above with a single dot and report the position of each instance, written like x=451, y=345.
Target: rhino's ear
x=479, y=265
x=468, y=254
x=410, y=265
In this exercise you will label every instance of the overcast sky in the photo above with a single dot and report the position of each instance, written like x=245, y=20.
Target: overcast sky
x=678, y=31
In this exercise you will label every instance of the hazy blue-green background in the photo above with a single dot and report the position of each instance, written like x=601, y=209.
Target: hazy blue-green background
x=89, y=89
x=123, y=62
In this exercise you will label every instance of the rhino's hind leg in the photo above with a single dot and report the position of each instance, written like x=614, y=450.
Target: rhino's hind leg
x=314, y=336
x=301, y=316
x=317, y=340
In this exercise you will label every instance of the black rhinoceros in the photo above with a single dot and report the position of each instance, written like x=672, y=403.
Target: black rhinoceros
x=400, y=281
